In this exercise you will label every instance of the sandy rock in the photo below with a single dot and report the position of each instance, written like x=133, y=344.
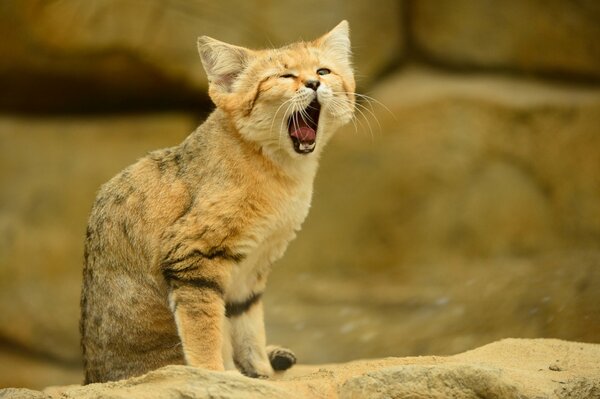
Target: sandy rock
x=554, y=37
x=112, y=53
x=173, y=382
x=506, y=369
x=436, y=382
x=22, y=393
x=512, y=368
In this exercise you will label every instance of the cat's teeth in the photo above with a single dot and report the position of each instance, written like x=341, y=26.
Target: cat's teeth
x=305, y=147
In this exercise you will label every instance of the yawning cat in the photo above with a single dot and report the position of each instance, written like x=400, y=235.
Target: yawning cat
x=179, y=245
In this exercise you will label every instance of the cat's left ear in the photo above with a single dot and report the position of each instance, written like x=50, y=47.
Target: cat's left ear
x=337, y=42
x=222, y=62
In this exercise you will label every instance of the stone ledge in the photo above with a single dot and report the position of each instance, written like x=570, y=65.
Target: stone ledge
x=510, y=368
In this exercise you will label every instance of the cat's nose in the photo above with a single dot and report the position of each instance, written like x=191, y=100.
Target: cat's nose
x=312, y=84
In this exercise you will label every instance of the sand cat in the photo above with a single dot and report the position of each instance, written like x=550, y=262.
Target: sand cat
x=179, y=245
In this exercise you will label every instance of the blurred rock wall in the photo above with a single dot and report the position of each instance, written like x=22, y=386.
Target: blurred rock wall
x=131, y=54
x=462, y=206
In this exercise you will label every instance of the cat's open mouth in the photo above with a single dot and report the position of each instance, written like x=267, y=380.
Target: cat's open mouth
x=302, y=127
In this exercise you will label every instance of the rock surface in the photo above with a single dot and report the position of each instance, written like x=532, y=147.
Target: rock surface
x=438, y=308
x=120, y=54
x=511, y=368
x=553, y=37
x=471, y=166
x=470, y=216
x=54, y=168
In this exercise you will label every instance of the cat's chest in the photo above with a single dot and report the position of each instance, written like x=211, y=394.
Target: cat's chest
x=278, y=208
x=271, y=236
x=294, y=208
x=278, y=225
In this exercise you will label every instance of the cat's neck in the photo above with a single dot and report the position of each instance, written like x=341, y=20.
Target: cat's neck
x=301, y=168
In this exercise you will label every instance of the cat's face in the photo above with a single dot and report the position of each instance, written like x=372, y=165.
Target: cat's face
x=288, y=100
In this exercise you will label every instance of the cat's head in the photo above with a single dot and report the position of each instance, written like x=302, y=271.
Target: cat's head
x=288, y=100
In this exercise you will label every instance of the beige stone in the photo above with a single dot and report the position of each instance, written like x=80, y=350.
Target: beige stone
x=510, y=368
x=470, y=215
x=123, y=53
x=553, y=37
x=441, y=308
x=461, y=166
x=36, y=370
x=50, y=170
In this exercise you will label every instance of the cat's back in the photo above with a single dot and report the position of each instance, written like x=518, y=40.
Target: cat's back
x=123, y=302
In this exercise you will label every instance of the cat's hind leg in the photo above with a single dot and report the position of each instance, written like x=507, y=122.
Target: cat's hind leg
x=248, y=337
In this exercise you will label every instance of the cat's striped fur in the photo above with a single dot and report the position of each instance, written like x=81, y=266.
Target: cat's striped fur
x=179, y=245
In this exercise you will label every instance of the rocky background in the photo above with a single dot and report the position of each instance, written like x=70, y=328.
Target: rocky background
x=462, y=207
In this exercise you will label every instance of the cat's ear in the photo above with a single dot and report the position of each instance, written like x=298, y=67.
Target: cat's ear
x=337, y=42
x=222, y=62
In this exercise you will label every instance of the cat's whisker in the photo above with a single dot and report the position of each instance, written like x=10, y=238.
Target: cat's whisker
x=343, y=109
x=277, y=112
x=369, y=111
x=364, y=110
x=369, y=100
x=295, y=117
x=364, y=120
x=306, y=116
x=288, y=104
x=339, y=109
x=284, y=120
x=294, y=103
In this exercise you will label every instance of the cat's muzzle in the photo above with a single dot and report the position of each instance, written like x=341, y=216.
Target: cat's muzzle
x=302, y=128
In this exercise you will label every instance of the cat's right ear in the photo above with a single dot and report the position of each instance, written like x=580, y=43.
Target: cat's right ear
x=337, y=43
x=222, y=62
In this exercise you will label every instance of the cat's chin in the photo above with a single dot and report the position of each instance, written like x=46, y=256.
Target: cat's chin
x=303, y=126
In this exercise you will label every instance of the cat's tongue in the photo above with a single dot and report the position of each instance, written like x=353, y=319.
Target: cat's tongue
x=304, y=133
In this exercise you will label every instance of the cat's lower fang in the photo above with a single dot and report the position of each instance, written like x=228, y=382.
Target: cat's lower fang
x=307, y=147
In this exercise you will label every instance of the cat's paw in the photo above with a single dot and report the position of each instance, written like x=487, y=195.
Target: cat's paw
x=281, y=358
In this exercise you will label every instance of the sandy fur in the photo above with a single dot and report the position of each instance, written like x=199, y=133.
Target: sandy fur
x=189, y=233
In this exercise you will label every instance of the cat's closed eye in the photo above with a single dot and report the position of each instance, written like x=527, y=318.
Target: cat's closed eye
x=287, y=75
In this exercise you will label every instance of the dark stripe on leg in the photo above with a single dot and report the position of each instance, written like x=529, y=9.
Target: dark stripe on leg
x=233, y=309
x=197, y=282
x=212, y=253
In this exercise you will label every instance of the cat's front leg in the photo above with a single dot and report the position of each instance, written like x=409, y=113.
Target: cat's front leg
x=248, y=337
x=197, y=281
x=198, y=315
x=227, y=350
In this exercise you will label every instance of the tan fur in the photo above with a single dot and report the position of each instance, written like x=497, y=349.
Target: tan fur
x=190, y=232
